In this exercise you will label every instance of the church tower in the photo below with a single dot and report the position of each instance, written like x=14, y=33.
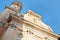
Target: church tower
x=5, y=19
x=15, y=6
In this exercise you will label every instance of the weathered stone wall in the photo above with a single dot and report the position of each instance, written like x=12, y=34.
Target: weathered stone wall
x=31, y=33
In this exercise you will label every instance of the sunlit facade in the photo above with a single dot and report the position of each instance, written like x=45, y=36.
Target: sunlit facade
x=27, y=26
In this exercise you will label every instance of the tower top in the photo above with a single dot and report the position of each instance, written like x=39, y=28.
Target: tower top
x=19, y=4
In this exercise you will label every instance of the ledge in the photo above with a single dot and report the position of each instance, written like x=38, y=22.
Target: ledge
x=38, y=27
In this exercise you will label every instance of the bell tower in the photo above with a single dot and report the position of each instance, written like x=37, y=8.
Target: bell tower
x=15, y=6
x=5, y=16
x=14, y=9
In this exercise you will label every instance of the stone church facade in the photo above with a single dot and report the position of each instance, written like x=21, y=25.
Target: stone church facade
x=29, y=26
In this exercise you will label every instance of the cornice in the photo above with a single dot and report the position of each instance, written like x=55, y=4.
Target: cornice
x=34, y=14
x=10, y=8
x=36, y=26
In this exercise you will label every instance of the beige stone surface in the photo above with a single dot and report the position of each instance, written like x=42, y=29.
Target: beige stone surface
x=28, y=27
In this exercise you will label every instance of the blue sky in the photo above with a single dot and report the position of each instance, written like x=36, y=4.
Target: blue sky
x=48, y=9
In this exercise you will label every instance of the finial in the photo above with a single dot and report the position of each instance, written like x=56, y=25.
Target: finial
x=19, y=4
